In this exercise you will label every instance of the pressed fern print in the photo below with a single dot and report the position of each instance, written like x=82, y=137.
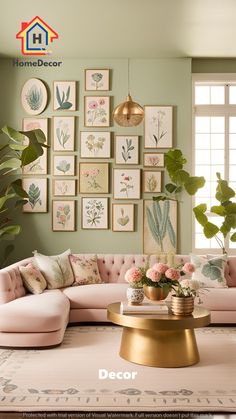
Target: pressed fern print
x=160, y=226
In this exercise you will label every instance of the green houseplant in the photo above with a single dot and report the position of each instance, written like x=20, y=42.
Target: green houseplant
x=181, y=180
x=226, y=210
x=14, y=154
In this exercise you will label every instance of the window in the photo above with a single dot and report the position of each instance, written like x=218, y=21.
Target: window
x=214, y=132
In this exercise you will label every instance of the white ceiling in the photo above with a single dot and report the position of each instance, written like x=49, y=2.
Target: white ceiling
x=127, y=28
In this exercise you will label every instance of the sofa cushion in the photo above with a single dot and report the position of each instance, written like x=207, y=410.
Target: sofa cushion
x=45, y=312
x=230, y=271
x=56, y=269
x=85, y=269
x=33, y=279
x=95, y=295
x=219, y=299
x=210, y=271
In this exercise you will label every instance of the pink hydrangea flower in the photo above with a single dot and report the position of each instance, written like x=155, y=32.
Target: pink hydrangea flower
x=173, y=274
x=133, y=275
x=160, y=267
x=188, y=268
x=153, y=274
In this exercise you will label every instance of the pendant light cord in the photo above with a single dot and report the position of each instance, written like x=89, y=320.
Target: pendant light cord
x=128, y=78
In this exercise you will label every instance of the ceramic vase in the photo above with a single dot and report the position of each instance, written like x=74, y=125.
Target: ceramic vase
x=156, y=293
x=135, y=296
x=182, y=306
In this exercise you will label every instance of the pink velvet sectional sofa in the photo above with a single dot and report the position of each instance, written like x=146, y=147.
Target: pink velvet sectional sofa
x=28, y=320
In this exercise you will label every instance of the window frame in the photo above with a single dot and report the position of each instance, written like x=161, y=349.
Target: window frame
x=225, y=110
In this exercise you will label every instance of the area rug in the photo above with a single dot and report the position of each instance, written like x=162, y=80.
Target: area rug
x=66, y=378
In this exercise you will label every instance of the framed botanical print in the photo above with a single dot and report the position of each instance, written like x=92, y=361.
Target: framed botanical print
x=38, y=166
x=123, y=217
x=36, y=189
x=63, y=215
x=63, y=133
x=159, y=226
x=63, y=165
x=96, y=79
x=64, y=95
x=126, y=183
x=97, y=111
x=153, y=160
x=95, y=144
x=94, y=177
x=152, y=181
x=94, y=213
x=158, y=123
x=64, y=187
x=34, y=96
x=126, y=149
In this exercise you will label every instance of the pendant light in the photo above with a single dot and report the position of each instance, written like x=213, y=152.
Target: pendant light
x=128, y=113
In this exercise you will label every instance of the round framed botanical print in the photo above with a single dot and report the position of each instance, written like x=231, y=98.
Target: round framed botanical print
x=34, y=96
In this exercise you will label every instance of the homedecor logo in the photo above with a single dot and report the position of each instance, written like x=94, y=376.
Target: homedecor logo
x=35, y=37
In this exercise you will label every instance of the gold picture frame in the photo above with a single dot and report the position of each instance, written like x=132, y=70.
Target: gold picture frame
x=94, y=213
x=93, y=178
x=123, y=217
x=97, y=111
x=97, y=79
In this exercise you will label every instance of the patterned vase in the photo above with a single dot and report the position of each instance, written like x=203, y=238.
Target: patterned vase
x=182, y=306
x=135, y=296
x=156, y=293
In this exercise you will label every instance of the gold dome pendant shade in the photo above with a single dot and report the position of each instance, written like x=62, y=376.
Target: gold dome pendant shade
x=128, y=113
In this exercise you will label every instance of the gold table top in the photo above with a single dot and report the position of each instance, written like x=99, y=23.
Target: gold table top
x=199, y=318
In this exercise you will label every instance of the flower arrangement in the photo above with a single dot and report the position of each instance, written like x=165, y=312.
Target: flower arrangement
x=159, y=275
x=188, y=288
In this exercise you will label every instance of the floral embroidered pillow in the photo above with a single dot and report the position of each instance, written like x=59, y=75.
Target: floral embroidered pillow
x=85, y=269
x=56, y=269
x=209, y=271
x=33, y=279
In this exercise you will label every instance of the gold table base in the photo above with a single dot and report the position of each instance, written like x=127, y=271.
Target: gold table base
x=159, y=348
x=162, y=340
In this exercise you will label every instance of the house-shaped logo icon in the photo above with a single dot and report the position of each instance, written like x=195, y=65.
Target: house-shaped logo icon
x=35, y=37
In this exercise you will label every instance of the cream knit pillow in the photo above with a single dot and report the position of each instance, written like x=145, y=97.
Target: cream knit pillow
x=56, y=269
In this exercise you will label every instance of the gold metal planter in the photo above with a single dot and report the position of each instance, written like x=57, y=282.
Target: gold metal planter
x=182, y=306
x=156, y=293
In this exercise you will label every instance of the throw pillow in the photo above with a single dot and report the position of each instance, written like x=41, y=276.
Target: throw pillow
x=33, y=279
x=85, y=269
x=209, y=271
x=56, y=269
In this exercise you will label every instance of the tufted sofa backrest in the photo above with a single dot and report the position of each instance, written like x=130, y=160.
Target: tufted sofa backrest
x=11, y=285
x=112, y=269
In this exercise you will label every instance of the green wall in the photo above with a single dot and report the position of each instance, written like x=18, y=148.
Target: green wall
x=213, y=65
x=152, y=82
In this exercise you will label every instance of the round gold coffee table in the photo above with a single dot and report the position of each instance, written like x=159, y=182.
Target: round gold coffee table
x=162, y=340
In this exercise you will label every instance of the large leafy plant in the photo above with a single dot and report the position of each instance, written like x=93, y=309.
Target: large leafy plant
x=14, y=154
x=226, y=210
x=180, y=179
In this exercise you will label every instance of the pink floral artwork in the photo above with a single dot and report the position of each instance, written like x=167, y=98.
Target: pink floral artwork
x=97, y=111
